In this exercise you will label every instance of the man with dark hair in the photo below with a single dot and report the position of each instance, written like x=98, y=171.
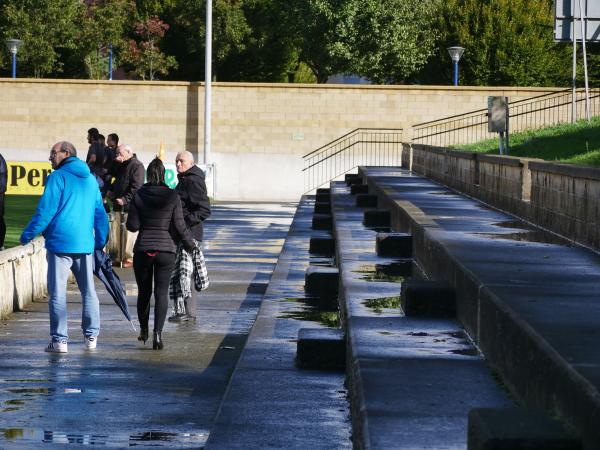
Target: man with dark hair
x=3, y=183
x=129, y=177
x=71, y=217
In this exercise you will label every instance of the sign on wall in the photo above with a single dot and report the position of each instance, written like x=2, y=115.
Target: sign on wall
x=29, y=178
x=26, y=177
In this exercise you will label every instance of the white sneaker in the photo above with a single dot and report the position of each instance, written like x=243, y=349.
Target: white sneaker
x=56, y=347
x=90, y=342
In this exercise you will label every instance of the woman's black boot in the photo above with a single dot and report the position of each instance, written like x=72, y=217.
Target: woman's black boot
x=157, y=344
x=143, y=334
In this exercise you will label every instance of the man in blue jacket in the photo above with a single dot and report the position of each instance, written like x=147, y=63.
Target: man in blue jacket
x=71, y=217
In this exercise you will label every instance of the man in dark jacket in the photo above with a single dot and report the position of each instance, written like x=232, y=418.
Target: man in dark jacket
x=3, y=183
x=129, y=177
x=196, y=208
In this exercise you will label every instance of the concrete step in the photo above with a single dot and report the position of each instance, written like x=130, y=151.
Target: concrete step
x=530, y=301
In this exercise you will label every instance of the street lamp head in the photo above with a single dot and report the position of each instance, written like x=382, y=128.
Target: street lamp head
x=456, y=53
x=13, y=45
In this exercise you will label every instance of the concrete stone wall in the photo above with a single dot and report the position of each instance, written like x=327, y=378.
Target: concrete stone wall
x=23, y=275
x=566, y=199
x=562, y=198
x=260, y=131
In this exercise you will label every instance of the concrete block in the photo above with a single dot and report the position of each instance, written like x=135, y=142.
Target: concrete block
x=366, y=200
x=394, y=244
x=323, y=208
x=323, y=198
x=352, y=178
x=377, y=218
x=359, y=189
x=326, y=191
x=426, y=298
x=322, y=281
x=321, y=348
x=322, y=222
x=516, y=429
x=322, y=245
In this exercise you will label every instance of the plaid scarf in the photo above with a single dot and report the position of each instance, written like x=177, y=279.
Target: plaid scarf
x=186, y=265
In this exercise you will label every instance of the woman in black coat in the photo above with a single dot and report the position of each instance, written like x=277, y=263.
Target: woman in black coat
x=156, y=213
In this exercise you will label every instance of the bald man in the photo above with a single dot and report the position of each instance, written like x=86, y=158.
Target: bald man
x=196, y=209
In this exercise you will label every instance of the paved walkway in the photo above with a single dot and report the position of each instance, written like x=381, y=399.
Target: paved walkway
x=125, y=394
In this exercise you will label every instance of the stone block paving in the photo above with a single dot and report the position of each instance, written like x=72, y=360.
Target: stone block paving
x=125, y=394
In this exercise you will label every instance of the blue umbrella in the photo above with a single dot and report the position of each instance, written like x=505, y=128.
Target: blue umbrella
x=105, y=273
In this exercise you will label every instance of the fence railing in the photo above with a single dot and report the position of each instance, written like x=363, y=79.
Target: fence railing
x=362, y=146
x=531, y=113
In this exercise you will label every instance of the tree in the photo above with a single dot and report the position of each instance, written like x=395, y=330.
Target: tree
x=322, y=33
x=103, y=24
x=46, y=27
x=390, y=40
x=507, y=42
x=145, y=54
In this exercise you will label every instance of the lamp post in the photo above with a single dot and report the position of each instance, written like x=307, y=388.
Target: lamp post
x=455, y=54
x=110, y=61
x=13, y=47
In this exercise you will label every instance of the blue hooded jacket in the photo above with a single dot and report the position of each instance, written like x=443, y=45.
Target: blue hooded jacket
x=70, y=214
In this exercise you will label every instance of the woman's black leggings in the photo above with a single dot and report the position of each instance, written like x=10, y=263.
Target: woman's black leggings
x=156, y=268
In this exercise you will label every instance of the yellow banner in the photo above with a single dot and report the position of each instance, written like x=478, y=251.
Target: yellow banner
x=27, y=177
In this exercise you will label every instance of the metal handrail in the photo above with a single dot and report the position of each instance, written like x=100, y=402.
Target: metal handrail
x=347, y=135
x=378, y=146
x=451, y=130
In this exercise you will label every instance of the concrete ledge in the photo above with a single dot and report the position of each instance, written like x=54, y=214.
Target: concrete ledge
x=428, y=298
x=323, y=191
x=366, y=200
x=359, y=189
x=322, y=245
x=23, y=274
x=322, y=222
x=322, y=208
x=394, y=244
x=377, y=218
x=321, y=348
x=516, y=429
x=322, y=281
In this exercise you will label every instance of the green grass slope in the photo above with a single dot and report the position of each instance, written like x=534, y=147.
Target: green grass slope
x=577, y=143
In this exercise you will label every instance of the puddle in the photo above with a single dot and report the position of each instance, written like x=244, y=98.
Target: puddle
x=471, y=351
x=380, y=229
x=524, y=233
x=330, y=319
x=321, y=261
x=307, y=312
x=32, y=391
x=120, y=440
x=379, y=304
x=375, y=273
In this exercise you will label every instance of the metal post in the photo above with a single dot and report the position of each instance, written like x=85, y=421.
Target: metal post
x=208, y=82
x=585, y=71
x=14, y=65
x=455, y=73
x=574, y=99
x=110, y=61
x=501, y=143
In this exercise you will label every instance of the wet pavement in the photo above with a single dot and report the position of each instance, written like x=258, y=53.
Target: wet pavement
x=125, y=394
